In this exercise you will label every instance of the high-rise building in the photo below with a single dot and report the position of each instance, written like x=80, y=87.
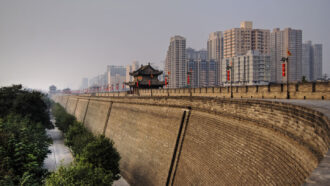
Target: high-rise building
x=307, y=60
x=84, y=83
x=317, y=61
x=175, y=65
x=281, y=42
x=215, y=46
x=311, y=61
x=116, y=76
x=130, y=68
x=238, y=41
x=215, y=52
x=253, y=68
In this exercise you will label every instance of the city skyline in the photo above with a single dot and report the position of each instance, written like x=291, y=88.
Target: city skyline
x=60, y=43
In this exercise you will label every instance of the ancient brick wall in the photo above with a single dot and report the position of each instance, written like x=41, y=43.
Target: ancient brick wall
x=207, y=140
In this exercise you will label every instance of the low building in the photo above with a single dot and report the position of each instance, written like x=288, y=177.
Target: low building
x=253, y=68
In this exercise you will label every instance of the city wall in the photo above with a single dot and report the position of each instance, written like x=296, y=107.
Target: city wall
x=206, y=140
x=320, y=90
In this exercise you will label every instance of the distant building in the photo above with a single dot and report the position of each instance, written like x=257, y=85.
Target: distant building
x=281, y=42
x=253, y=68
x=116, y=77
x=130, y=68
x=317, y=61
x=238, y=41
x=84, y=84
x=175, y=64
x=307, y=60
x=52, y=89
x=215, y=52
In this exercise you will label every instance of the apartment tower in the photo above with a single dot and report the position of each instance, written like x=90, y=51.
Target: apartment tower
x=215, y=53
x=175, y=64
x=238, y=41
x=282, y=41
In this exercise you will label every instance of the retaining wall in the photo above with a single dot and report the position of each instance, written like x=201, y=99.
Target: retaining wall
x=207, y=141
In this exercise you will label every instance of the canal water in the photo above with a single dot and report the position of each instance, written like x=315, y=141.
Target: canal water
x=61, y=154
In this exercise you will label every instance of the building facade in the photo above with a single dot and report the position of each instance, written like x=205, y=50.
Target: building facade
x=116, y=77
x=253, y=68
x=215, y=52
x=281, y=42
x=130, y=68
x=238, y=41
x=175, y=64
x=317, y=62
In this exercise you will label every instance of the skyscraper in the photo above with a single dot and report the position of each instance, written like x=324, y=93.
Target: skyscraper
x=215, y=53
x=175, y=64
x=215, y=46
x=307, y=60
x=238, y=41
x=317, y=61
x=281, y=42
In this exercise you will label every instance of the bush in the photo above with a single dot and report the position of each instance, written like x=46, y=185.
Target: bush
x=78, y=137
x=63, y=119
x=80, y=173
x=101, y=153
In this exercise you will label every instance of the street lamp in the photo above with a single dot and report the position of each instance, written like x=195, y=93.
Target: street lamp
x=285, y=72
x=229, y=77
x=189, y=74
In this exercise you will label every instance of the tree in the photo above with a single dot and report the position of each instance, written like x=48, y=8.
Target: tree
x=80, y=173
x=101, y=153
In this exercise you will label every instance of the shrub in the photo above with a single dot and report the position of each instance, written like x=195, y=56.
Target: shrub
x=78, y=137
x=101, y=153
x=80, y=173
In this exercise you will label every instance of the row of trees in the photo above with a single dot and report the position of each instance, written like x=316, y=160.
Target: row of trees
x=23, y=141
x=96, y=159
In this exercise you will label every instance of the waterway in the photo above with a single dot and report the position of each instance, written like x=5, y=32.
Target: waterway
x=61, y=154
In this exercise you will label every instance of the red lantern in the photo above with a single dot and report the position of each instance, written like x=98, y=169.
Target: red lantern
x=228, y=75
x=149, y=83
x=188, y=80
x=283, y=69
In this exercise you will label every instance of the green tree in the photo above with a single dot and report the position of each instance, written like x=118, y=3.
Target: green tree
x=78, y=137
x=80, y=173
x=101, y=153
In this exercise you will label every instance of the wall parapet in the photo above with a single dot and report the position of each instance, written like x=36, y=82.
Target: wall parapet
x=319, y=90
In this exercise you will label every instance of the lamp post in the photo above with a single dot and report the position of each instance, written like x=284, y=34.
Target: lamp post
x=188, y=81
x=229, y=77
x=285, y=72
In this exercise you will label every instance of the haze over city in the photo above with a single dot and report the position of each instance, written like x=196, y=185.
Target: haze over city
x=45, y=42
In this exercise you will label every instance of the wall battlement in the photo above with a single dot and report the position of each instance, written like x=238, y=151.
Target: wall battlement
x=320, y=90
x=206, y=140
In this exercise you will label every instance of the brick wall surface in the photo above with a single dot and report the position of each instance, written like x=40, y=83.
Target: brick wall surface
x=145, y=137
x=224, y=142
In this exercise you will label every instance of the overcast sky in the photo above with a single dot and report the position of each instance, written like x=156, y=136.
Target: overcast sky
x=44, y=42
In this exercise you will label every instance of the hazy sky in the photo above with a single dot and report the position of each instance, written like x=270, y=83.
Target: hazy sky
x=44, y=42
